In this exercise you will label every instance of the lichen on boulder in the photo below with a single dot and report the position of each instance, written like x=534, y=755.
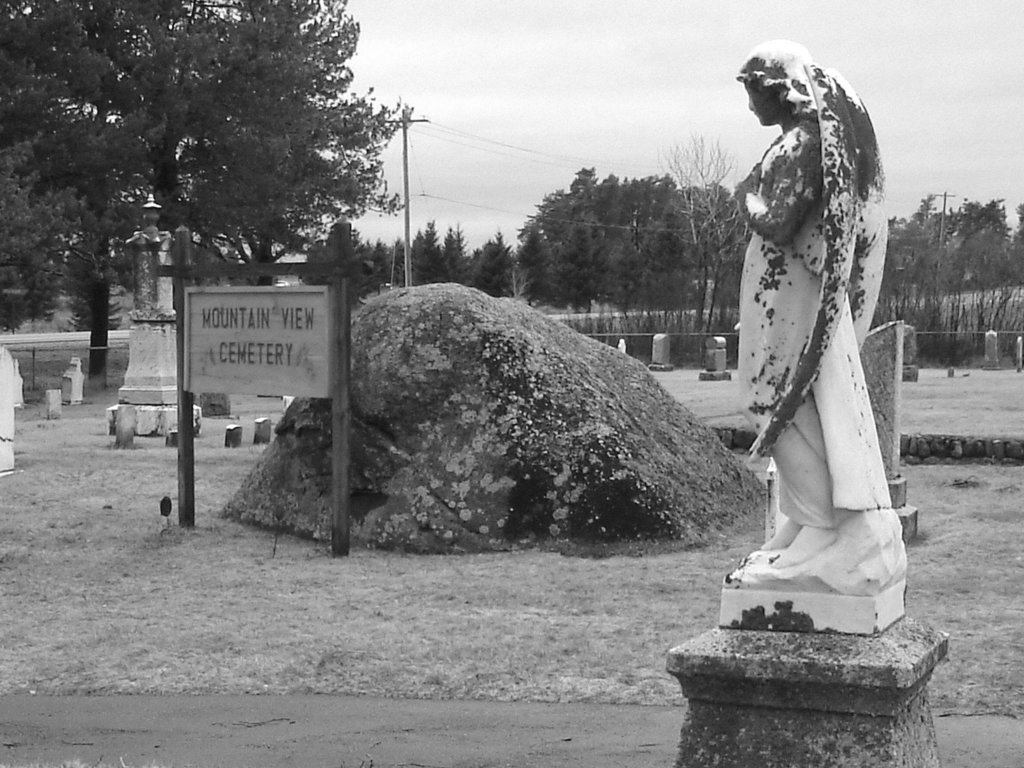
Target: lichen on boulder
x=480, y=423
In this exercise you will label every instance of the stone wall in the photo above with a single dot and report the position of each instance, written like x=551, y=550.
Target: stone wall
x=921, y=449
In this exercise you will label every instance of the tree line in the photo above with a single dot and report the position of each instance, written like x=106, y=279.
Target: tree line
x=237, y=115
x=669, y=243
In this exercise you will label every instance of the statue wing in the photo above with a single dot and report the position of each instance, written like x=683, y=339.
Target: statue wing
x=838, y=228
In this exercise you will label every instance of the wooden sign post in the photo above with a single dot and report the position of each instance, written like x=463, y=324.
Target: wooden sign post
x=291, y=340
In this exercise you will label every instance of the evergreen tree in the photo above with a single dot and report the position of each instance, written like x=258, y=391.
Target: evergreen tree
x=492, y=267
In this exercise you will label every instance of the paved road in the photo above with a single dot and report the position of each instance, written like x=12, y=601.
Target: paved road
x=354, y=732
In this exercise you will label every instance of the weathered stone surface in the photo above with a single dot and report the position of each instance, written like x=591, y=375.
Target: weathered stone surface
x=478, y=423
x=775, y=699
x=882, y=358
x=215, y=403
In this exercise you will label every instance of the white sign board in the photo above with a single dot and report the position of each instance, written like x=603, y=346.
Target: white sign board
x=258, y=341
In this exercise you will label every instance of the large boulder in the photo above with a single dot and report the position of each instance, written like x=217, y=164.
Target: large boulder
x=479, y=423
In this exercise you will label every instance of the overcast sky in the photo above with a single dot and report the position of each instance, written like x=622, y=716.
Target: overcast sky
x=521, y=94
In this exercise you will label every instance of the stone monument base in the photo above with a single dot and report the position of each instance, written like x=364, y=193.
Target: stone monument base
x=791, y=611
x=782, y=700
x=715, y=376
x=153, y=420
x=151, y=395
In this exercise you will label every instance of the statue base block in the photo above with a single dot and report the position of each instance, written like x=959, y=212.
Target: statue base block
x=790, y=611
x=782, y=700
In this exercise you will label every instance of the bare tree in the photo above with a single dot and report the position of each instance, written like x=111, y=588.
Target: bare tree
x=714, y=232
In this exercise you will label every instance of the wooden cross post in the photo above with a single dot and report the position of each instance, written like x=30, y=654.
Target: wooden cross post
x=181, y=254
x=339, y=246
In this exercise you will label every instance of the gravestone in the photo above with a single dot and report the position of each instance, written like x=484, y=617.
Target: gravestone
x=261, y=431
x=1020, y=353
x=233, y=436
x=661, y=353
x=882, y=359
x=7, y=387
x=124, y=429
x=714, y=360
x=151, y=377
x=622, y=346
x=52, y=400
x=911, y=371
x=19, y=385
x=72, y=382
x=991, y=350
x=215, y=403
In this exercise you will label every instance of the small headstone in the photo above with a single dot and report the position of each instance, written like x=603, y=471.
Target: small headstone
x=124, y=436
x=112, y=420
x=19, y=385
x=7, y=386
x=261, y=433
x=911, y=371
x=215, y=403
x=991, y=350
x=53, y=403
x=622, y=346
x=714, y=360
x=661, y=353
x=1020, y=354
x=71, y=382
x=233, y=436
x=171, y=441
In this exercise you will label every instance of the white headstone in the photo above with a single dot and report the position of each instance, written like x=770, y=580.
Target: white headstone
x=661, y=352
x=7, y=385
x=72, y=382
x=622, y=346
x=53, y=404
x=1020, y=353
x=19, y=385
x=991, y=350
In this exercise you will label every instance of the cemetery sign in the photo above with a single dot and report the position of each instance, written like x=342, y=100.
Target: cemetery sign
x=258, y=341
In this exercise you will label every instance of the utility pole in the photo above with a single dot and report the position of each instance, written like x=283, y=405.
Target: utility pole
x=406, y=121
x=942, y=219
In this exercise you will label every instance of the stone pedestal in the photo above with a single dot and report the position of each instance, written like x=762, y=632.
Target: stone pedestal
x=783, y=699
x=152, y=375
x=152, y=420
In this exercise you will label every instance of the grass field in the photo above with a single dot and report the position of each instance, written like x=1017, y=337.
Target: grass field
x=99, y=598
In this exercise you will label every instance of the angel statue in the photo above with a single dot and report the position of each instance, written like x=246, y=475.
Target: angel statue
x=810, y=281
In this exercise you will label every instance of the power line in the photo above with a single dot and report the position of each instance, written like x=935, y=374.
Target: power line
x=570, y=159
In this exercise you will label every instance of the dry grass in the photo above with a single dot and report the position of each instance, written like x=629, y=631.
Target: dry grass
x=98, y=599
x=972, y=402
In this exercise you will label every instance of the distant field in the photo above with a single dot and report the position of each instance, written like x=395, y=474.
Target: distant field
x=973, y=402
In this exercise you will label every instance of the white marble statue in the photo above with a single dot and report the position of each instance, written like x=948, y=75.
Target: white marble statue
x=810, y=282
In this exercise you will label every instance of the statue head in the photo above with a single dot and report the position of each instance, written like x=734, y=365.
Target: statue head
x=775, y=76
